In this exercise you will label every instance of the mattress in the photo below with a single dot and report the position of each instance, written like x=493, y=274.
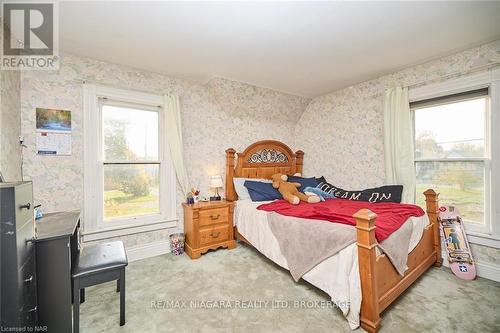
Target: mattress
x=338, y=275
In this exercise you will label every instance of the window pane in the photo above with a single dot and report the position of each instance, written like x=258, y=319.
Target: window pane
x=130, y=134
x=454, y=130
x=459, y=183
x=131, y=190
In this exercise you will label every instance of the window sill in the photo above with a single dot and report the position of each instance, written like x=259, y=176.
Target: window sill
x=125, y=230
x=483, y=239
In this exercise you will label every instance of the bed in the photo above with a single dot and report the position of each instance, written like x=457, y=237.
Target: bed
x=360, y=279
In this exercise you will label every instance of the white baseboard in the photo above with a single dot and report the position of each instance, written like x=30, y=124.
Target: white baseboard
x=148, y=250
x=485, y=270
x=488, y=271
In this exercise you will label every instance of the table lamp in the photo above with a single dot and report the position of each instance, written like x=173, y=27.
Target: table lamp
x=216, y=183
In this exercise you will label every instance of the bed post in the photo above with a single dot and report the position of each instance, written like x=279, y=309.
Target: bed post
x=432, y=206
x=367, y=257
x=299, y=161
x=230, y=191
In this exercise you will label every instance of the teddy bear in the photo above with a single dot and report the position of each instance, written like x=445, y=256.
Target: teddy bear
x=290, y=191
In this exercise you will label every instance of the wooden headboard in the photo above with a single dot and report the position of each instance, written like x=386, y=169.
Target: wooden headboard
x=261, y=160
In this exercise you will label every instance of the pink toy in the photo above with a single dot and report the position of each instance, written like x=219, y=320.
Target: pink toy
x=456, y=243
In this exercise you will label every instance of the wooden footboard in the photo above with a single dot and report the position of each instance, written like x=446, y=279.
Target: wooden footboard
x=380, y=282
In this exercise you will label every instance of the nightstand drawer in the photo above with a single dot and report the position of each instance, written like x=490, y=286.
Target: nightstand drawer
x=213, y=216
x=214, y=235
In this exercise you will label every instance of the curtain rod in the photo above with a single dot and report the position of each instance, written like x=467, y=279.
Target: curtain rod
x=456, y=74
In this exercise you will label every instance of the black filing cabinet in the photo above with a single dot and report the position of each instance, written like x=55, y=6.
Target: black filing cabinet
x=18, y=294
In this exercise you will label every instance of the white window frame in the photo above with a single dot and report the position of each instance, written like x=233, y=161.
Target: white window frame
x=94, y=225
x=484, y=228
x=489, y=236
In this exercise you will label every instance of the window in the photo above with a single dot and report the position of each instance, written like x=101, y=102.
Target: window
x=452, y=153
x=129, y=178
x=131, y=164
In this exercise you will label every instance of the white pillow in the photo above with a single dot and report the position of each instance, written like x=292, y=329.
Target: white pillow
x=242, y=191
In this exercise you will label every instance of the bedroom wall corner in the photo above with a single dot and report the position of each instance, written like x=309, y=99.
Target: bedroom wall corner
x=346, y=145
x=234, y=115
x=10, y=125
x=215, y=116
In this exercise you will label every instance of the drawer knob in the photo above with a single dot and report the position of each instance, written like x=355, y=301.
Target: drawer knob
x=214, y=217
x=9, y=233
x=33, y=310
x=215, y=235
x=29, y=280
x=27, y=206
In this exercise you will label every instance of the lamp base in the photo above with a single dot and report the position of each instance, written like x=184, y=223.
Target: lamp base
x=215, y=198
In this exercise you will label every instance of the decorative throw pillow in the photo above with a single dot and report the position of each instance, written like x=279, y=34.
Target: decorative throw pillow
x=240, y=188
x=387, y=193
x=304, y=182
x=262, y=191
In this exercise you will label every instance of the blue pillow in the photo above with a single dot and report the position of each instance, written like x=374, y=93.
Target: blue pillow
x=262, y=191
x=320, y=193
x=304, y=182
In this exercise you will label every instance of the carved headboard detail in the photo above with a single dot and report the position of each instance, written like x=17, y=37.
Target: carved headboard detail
x=260, y=160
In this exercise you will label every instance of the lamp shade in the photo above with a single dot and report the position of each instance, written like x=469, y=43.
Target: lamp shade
x=216, y=181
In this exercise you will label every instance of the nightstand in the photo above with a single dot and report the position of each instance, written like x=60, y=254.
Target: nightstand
x=208, y=226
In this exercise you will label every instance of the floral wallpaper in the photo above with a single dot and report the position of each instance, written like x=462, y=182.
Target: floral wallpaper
x=340, y=129
x=342, y=132
x=225, y=114
x=10, y=125
x=216, y=115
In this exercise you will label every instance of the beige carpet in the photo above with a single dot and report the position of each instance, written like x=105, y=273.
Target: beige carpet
x=240, y=281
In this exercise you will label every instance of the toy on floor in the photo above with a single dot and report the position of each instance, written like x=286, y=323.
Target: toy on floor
x=290, y=191
x=456, y=243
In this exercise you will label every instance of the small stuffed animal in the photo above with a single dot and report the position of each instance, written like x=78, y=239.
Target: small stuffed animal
x=290, y=192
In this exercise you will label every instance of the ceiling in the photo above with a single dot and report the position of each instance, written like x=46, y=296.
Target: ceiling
x=302, y=48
